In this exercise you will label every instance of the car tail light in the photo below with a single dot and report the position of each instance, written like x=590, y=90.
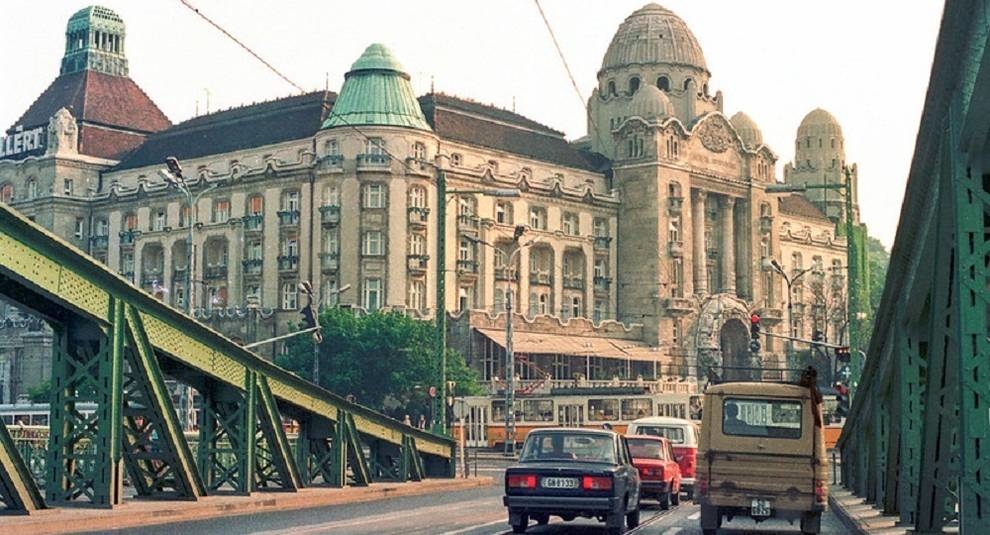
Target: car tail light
x=521, y=481
x=596, y=483
x=701, y=485
x=651, y=473
x=820, y=491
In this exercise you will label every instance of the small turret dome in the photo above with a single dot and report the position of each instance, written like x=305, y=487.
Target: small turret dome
x=747, y=130
x=650, y=102
x=819, y=124
x=654, y=35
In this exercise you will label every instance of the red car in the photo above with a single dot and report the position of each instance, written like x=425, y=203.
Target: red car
x=659, y=473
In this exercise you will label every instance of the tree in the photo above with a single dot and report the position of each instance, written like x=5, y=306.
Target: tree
x=377, y=357
x=879, y=259
x=41, y=393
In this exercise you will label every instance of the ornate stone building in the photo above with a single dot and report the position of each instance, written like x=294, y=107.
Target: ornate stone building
x=647, y=244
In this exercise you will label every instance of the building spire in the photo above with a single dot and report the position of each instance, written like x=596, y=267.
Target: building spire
x=94, y=40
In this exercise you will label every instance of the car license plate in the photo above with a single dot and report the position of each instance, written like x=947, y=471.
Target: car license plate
x=559, y=483
x=760, y=508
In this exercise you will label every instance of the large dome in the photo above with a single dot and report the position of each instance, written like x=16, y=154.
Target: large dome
x=653, y=35
x=819, y=123
x=747, y=129
x=649, y=103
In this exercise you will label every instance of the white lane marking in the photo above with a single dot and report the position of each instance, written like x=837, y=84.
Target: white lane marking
x=472, y=528
x=314, y=529
x=672, y=531
x=694, y=516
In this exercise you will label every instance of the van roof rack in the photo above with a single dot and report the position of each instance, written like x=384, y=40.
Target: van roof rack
x=752, y=374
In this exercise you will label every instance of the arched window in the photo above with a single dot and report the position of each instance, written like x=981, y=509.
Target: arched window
x=633, y=84
x=663, y=83
x=611, y=88
x=687, y=83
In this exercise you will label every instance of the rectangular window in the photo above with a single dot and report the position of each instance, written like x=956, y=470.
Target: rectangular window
x=130, y=222
x=289, y=295
x=68, y=186
x=417, y=244
x=331, y=242
x=290, y=201
x=221, y=210
x=674, y=230
x=159, y=221
x=256, y=205
x=773, y=418
x=254, y=250
x=601, y=227
x=375, y=146
x=80, y=227
x=570, y=223
x=538, y=218
x=374, y=195
x=373, y=243
x=372, y=294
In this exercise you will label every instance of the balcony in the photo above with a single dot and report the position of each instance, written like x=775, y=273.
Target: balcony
x=544, y=278
x=417, y=263
x=332, y=163
x=252, y=267
x=215, y=272
x=179, y=274
x=504, y=273
x=679, y=305
x=330, y=215
x=467, y=267
x=675, y=204
x=127, y=237
x=573, y=282
x=418, y=217
x=468, y=223
x=770, y=315
x=602, y=284
x=253, y=223
x=152, y=276
x=329, y=262
x=375, y=162
x=288, y=218
x=675, y=248
x=99, y=242
x=288, y=263
x=602, y=243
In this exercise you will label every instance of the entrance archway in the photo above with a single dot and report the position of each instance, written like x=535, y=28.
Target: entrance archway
x=734, y=341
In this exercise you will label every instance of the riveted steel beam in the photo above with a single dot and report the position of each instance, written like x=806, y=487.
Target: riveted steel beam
x=276, y=465
x=18, y=491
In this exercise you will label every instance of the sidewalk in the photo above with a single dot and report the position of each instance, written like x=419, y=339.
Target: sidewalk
x=139, y=513
x=859, y=516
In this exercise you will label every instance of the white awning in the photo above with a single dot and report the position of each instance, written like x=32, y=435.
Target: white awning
x=578, y=346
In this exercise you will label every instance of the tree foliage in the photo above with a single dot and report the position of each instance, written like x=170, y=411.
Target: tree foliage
x=878, y=259
x=385, y=360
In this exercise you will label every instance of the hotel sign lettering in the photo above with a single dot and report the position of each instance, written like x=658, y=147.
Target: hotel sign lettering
x=23, y=141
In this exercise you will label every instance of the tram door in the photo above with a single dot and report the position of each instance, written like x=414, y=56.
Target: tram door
x=570, y=415
x=475, y=427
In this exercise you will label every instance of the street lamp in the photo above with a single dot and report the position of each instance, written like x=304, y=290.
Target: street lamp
x=316, y=342
x=510, y=356
x=440, y=419
x=790, y=281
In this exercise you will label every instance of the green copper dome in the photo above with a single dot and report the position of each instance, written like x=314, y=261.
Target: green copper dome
x=377, y=92
x=94, y=40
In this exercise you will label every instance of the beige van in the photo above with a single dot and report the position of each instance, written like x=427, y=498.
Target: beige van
x=761, y=455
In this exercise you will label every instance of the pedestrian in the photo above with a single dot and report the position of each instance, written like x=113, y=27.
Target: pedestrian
x=422, y=421
x=407, y=421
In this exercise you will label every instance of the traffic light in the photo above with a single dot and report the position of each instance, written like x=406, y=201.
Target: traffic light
x=842, y=354
x=308, y=312
x=817, y=336
x=754, y=333
x=520, y=230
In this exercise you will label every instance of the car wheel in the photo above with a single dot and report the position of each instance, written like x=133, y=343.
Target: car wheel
x=675, y=496
x=665, y=500
x=542, y=519
x=632, y=518
x=521, y=525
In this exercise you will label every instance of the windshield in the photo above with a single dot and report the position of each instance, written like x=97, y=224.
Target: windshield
x=747, y=417
x=578, y=447
x=645, y=449
x=674, y=434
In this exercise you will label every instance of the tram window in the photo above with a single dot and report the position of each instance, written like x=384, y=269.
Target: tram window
x=39, y=419
x=538, y=410
x=636, y=408
x=8, y=419
x=603, y=409
x=672, y=410
x=498, y=411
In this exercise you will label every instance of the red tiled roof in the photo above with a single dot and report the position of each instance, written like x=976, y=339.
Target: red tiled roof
x=487, y=126
x=98, y=98
x=106, y=143
x=800, y=206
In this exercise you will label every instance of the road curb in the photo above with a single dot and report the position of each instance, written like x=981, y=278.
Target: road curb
x=140, y=513
x=860, y=517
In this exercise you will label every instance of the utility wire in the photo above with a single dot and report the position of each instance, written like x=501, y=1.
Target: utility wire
x=570, y=75
x=290, y=82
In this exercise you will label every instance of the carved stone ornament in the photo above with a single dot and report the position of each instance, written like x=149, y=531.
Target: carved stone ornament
x=63, y=134
x=715, y=135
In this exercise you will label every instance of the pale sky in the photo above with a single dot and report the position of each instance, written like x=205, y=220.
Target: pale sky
x=865, y=61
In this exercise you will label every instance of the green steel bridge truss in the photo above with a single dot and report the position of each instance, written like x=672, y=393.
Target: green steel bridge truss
x=115, y=345
x=916, y=441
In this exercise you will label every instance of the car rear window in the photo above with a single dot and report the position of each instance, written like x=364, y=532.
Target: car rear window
x=645, y=449
x=568, y=447
x=674, y=434
x=748, y=417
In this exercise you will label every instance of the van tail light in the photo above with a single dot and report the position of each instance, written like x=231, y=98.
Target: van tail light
x=596, y=483
x=521, y=481
x=820, y=491
x=701, y=485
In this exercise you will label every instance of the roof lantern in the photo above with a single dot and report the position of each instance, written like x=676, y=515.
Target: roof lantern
x=377, y=92
x=94, y=40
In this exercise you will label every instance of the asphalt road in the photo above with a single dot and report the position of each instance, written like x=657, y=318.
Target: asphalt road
x=473, y=512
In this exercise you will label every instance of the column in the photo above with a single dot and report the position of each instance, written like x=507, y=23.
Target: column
x=698, y=239
x=728, y=246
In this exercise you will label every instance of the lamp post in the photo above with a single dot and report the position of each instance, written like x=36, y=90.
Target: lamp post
x=440, y=419
x=790, y=282
x=316, y=343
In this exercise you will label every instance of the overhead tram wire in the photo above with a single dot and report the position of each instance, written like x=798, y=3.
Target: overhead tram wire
x=287, y=80
x=570, y=75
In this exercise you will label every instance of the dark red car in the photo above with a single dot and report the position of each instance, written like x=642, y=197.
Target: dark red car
x=659, y=473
